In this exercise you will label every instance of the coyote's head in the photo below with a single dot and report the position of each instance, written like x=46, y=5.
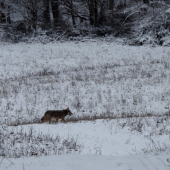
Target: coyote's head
x=69, y=112
x=43, y=119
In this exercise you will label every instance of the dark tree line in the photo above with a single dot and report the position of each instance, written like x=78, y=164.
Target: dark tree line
x=117, y=16
x=51, y=12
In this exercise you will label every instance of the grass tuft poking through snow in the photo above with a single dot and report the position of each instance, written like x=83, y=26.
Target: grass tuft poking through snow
x=19, y=143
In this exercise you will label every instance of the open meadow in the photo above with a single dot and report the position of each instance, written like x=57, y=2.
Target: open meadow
x=119, y=96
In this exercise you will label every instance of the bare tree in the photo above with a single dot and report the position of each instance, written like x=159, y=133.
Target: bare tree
x=5, y=10
x=70, y=9
x=31, y=10
x=75, y=10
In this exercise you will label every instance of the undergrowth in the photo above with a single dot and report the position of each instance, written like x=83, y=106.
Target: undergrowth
x=15, y=144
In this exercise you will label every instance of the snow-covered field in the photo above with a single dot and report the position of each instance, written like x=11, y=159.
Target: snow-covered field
x=100, y=144
x=91, y=78
x=91, y=162
x=119, y=96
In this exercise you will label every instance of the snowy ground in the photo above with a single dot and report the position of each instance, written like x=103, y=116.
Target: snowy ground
x=108, y=144
x=119, y=97
x=92, y=78
x=104, y=145
x=102, y=137
x=91, y=162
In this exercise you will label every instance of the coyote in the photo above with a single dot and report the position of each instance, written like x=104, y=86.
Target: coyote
x=56, y=114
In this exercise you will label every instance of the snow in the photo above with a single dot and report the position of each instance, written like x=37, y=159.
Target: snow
x=84, y=162
x=99, y=79
x=89, y=77
x=99, y=137
x=106, y=145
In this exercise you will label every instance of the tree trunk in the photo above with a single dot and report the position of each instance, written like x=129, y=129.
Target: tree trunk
x=111, y=3
x=72, y=13
x=95, y=13
x=8, y=16
x=55, y=11
x=73, y=20
x=46, y=13
x=91, y=11
x=0, y=14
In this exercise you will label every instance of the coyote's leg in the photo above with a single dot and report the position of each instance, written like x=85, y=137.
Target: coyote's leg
x=63, y=120
x=49, y=120
x=43, y=121
x=56, y=120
